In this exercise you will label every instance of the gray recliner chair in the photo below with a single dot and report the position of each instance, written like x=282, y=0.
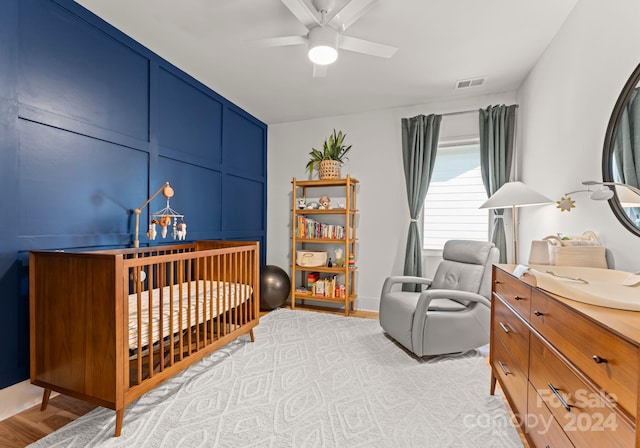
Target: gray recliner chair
x=453, y=313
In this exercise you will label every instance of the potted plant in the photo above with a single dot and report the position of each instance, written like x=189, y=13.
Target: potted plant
x=332, y=156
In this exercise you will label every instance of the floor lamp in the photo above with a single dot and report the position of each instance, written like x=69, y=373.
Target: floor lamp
x=512, y=195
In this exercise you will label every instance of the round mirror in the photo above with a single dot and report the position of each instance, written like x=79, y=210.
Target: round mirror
x=621, y=154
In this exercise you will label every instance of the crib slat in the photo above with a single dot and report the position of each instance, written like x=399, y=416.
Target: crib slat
x=196, y=317
x=223, y=295
x=161, y=283
x=171, y=312
x=243, y=281
x=236, y=306
x=211, y=309
x=152, y=285
x=219, y=295
x=189, y=324
x=180, y=308
x=247, y=281
x=139, y=321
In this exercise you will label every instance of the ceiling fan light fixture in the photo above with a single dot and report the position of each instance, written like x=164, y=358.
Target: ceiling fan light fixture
x=323, y=45
x=323, y=55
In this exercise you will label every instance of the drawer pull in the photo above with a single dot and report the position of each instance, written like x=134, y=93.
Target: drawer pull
x=497, y=282
x=504, y=369
x=555, y=391
x=506, y=329
x=598, y=359
x=518, y=298
x=538, y=313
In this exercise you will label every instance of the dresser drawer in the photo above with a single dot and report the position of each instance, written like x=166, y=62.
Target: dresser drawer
x=513, y=291
x=541, y=426
x=513, y=333
x=512, y=380
x=608, y=360
x=583, y=414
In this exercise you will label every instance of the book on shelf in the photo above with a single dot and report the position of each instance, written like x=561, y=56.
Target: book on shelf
x=318, y=288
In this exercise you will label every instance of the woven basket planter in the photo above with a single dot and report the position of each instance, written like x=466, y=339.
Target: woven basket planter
x=329, y=169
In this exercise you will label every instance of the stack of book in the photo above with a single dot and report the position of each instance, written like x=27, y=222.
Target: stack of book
x=323, y=287
x=310, y=228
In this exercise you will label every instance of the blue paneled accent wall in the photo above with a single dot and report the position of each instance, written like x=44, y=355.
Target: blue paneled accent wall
x=91, y=124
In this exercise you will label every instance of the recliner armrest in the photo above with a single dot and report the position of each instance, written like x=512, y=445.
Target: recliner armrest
x=452, y=294
x=399, y=279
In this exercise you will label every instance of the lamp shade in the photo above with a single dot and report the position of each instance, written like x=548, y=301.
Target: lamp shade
x=323, y=45
x=515, y=194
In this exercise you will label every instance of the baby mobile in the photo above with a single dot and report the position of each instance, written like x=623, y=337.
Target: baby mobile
x=166, y=218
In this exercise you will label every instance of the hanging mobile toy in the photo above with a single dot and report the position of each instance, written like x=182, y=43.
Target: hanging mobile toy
x=181, y=230
x=152, y=232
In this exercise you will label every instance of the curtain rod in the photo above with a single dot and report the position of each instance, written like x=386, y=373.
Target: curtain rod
x=462, y=112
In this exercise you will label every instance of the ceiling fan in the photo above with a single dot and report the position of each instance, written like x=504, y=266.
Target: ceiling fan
x=326, y=26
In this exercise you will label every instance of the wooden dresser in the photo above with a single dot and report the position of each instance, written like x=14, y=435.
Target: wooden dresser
x=569, y=370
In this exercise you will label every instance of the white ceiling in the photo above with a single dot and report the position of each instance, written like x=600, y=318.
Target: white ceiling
x=439, y=41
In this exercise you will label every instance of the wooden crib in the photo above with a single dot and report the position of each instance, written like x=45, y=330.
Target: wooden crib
x=108, y=326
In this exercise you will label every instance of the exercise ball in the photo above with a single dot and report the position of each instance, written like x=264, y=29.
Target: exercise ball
x=275, y=287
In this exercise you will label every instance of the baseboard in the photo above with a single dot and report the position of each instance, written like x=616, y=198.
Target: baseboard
x=368, y=304
x=19, y=397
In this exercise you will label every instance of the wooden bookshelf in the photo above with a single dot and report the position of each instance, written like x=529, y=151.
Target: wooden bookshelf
x=345, y=217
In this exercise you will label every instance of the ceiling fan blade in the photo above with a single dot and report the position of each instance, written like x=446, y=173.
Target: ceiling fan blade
x=281, y=41
x=304, y=11
x=367, y=47
x=352, y=11
x=319, y=71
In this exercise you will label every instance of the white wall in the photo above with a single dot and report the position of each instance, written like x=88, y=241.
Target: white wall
x=376, y=161
x=565, y=105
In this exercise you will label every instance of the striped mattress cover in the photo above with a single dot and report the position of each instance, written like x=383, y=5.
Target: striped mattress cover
x=206, y=293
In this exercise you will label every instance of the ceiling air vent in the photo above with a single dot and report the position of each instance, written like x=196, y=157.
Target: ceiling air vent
x=466, y=83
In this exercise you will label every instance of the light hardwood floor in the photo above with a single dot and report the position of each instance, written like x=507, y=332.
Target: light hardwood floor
x=32, y=424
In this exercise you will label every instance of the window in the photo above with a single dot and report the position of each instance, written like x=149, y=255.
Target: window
x=451, y=208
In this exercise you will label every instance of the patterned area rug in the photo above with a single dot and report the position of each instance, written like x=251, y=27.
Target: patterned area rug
x=310, y=380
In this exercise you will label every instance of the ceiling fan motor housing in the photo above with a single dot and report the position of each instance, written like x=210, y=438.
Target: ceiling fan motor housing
x=323, y=45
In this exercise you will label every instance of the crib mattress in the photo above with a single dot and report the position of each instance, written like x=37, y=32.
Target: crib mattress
x=202, y=307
